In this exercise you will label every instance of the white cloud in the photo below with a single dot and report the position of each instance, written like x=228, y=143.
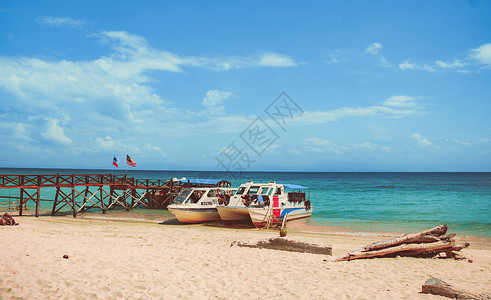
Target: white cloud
x=334, y=58
x=320, y=145
x=457, y=63
x=115, y=86
x=393, y=107
x=106, y=143
x=384, y=62
x=237, y=62
x=365, y=145
x=408, y=65
x=373, y=48
x=482, y=54
x=148, y=146
x=462, y=142
x=55, y=133
x=136, y=56
x=421, y=140
x=276, y=60
x=60, y=21
x=214, y=101
x=400, y=101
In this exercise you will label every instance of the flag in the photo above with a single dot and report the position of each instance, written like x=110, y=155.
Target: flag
x=115, y=161
x=130, y=162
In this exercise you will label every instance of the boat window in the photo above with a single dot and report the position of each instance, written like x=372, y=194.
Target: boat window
x=182, y=196
x=195, y=196
x=253, y=190
x=278, y=191
x=212, y=193
x=240, y=190
x=265, y=191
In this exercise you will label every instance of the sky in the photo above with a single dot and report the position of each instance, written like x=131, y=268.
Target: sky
x=246, y=85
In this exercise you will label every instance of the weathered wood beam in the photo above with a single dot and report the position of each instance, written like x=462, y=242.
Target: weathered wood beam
x=439, y=287
x=286, y=244
x=413, y=250
x=421, y=237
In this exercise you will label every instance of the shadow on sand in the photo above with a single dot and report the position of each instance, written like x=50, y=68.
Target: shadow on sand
x=221, y=224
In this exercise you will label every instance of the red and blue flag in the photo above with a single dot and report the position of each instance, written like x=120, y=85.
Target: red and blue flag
x=130, y=162
x=115, y=161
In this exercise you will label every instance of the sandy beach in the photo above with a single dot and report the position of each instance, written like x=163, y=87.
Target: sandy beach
x=110, y=259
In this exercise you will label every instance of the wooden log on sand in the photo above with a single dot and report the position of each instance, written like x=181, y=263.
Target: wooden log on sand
x=428, y=243
x=286, y=244
x=439, y=287
x=412, y=250
x=422, y=237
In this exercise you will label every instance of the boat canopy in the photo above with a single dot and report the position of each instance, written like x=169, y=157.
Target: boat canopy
x=200, y=181
x=295, y=186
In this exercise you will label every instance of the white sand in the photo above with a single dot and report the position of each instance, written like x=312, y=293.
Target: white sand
x=114, y=259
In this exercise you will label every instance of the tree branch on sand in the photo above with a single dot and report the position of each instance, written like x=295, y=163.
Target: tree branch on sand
x=428, y=243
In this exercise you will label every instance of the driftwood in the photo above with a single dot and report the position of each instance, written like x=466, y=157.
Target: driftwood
x=286, y=244
x=429, y=243
x=439, y=287
x=427, y=236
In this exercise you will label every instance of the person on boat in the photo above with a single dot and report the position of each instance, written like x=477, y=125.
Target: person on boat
x=246, y=199
x=220, y=197
x=260, y=200
x=195, y=197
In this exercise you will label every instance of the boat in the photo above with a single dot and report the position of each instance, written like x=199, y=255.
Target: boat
x=199, y=204
x=261, y=203
x=164, y=195
x=235, y=210
x=283, y=202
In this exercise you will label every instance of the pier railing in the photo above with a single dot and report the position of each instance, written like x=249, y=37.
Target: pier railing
x=87, y=191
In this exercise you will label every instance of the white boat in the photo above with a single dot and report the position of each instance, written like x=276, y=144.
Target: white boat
x=290, y=201
x=199, y=205
x=267, y=202
x=235, y=210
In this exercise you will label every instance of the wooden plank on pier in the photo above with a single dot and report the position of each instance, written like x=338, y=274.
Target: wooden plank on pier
x=116, y=199
x=88, y=200
x=139, y=200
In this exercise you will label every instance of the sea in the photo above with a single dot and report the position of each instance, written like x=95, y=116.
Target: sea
x=353, y=201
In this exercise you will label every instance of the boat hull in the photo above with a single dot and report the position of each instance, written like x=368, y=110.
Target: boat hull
x=195, y=215
x=259, y=218
x=233, y=213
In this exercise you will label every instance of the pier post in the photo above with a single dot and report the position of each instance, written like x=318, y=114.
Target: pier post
x=37, y=198
x=53, y=211
x=73, y=196
x=21, y=201
x=101, y=187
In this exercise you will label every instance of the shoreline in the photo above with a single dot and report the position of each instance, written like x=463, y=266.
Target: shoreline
x=305, y=224
x=164, y=216
x=142, y=259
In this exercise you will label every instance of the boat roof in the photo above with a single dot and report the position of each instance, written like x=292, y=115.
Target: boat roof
x=200, y=181
x=295, y=186
x=287, y=185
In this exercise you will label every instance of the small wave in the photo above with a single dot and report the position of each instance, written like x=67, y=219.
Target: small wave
x=387, y=187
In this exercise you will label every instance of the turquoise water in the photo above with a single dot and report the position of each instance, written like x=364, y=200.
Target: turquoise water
x=400, y=202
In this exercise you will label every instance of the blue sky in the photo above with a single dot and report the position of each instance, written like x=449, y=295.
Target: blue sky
x=251, y=85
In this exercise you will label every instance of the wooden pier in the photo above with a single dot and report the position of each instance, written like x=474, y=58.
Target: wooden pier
x=97, y=191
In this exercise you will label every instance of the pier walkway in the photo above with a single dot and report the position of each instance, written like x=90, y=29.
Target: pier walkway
x=83, y=192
